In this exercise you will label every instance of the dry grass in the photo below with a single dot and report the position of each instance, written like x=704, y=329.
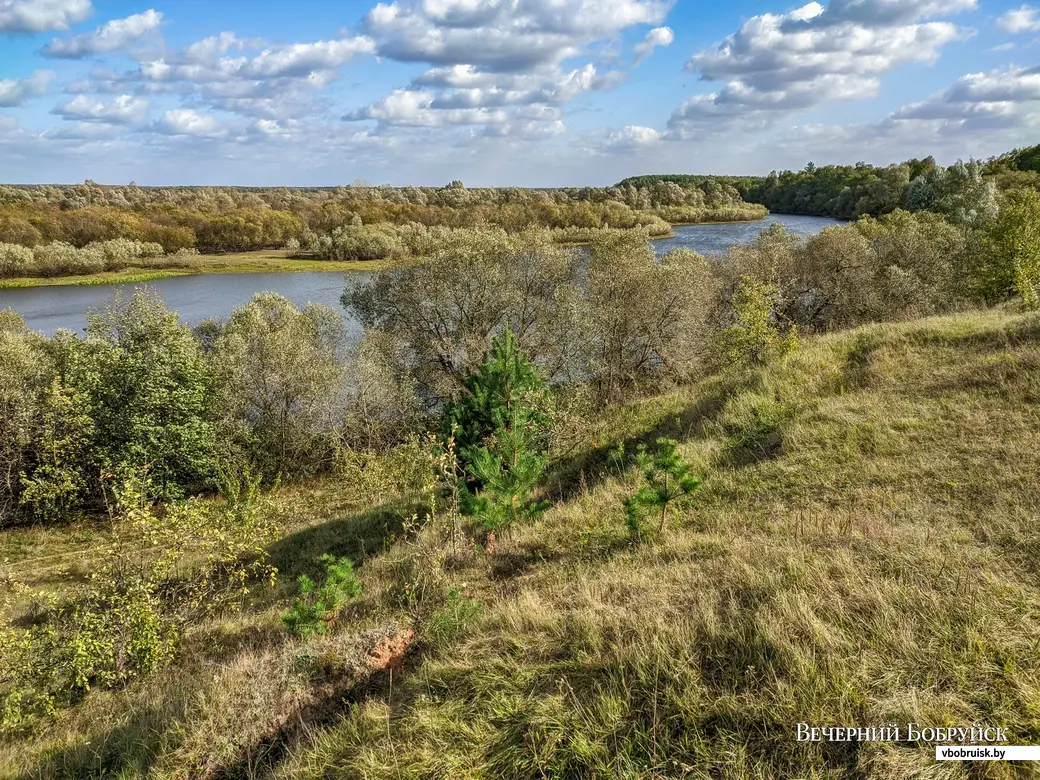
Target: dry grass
x=865, y=550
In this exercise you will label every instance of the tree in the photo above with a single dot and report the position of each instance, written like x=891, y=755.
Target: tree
x=474, y=283
x=281, y=383
x=756, y=336
x=668, y=479
x=644, y=317
x=148, y=392
x=958, y=192
x=1010, y=262
x=500, y=424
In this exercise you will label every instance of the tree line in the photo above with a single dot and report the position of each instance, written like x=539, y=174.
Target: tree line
x=236, y=220
x=852, y=191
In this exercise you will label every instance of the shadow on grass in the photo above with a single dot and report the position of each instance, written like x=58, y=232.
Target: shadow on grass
x=356, y=536
x=127, y=750
x=584, y=469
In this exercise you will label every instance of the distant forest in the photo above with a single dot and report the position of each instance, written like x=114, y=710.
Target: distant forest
x=852, y=191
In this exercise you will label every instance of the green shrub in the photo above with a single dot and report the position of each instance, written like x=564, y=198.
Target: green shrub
x=668, y=480
x=1010, y=261
x=318, y=606
x=162, y=571
x=757, y=336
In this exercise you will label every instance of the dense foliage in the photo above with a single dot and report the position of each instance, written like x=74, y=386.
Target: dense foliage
x=961, y=191
x=355, y=223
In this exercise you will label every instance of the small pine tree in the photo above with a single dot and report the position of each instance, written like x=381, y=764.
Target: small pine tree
x=500, y=424
x=668, y=478
x=317, y=606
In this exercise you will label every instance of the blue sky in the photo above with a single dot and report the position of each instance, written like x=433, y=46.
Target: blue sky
x=503, y=92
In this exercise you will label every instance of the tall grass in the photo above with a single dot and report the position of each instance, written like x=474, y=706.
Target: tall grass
x=863, y=551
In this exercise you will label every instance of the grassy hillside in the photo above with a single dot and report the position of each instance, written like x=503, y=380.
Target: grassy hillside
x=865, y=550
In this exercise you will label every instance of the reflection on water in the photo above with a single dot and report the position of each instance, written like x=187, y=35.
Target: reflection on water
x=197, y=298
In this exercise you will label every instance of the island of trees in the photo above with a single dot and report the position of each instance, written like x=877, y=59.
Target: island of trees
x=89, y=229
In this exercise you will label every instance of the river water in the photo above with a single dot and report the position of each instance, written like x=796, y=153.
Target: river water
x=202, y=296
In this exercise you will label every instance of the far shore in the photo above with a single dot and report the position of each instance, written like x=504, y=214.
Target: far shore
x=260, y=261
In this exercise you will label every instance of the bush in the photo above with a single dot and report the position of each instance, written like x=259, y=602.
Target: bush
x=645, y=319
x=161, y=571
x=280, y=376
x=1010, y=259
x=149, y=393
x=16, y=260
x=319, y=606
x=757, y=336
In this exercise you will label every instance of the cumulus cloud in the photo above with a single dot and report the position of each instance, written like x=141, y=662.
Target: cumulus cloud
x=659, y=36
x=633, y=138
x=492, y=57
x=777, y=63
x=1020, y=20
x=123, y=110
x=185, y=121
x=34, y=16
x=995, y=100
x=502, y=35
x=111, y=37
x=411, y=108
x=242, y=76
x=18, y=92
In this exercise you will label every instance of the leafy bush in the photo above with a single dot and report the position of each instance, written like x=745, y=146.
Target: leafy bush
x=668, y=480
x=1010, y=260
x=757, y=336
x=319, y=606
x=161, y=571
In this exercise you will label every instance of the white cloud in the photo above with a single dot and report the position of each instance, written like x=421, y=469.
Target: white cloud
x=302, y=59
x=633, y=138
x=492, y=56
x=502, y=35
x=1003, y=47
x=17, y=92
x=659, y=36
x=411, y=108
x=110, y=37
x=1019, y=20
x=243, y=76
x=123, y=110
x=997, y=99
x=776, y=63
x=33, y=16
x=185, y=121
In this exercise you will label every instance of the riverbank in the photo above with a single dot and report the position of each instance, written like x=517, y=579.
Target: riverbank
x=264, y=261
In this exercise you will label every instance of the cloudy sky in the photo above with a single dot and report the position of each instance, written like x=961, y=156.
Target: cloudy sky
x=503, y=92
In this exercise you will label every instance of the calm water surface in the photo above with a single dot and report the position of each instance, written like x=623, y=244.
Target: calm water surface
x=196, y=298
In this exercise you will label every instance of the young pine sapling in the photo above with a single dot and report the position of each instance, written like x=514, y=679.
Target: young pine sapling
x=668, y=479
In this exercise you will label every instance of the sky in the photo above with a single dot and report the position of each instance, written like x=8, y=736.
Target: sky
x=531, y=93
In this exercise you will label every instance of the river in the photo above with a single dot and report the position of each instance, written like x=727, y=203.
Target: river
x=202, y=296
